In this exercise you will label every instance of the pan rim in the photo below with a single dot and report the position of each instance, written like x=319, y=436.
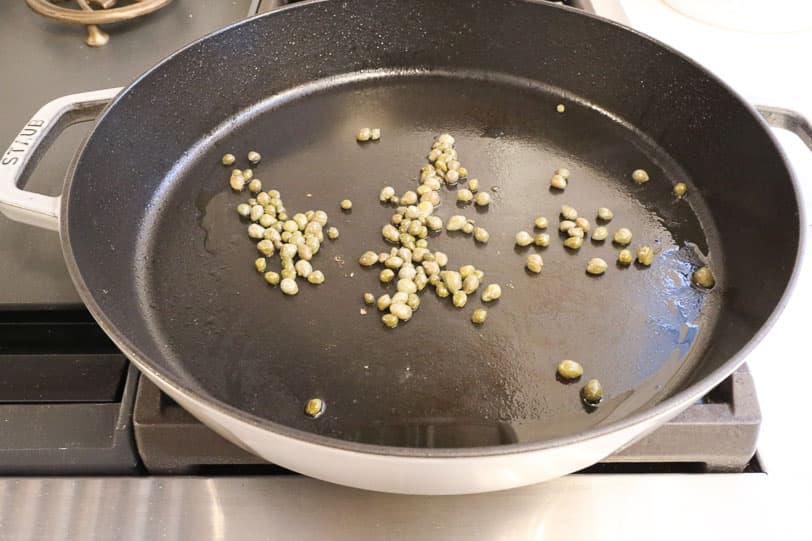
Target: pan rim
x=663, y=410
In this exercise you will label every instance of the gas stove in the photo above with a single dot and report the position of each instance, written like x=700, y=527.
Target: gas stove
x=91, y=450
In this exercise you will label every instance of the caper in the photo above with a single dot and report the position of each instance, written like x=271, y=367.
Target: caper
x=320, y=217
x=470, y=283
x=441, y=290
x=592, y=393
x=408, y=198
x=272, y=278
x=314, y=407
x=680, y=189
x=248, y=174
x=600, y=233
x=541, y=239
x=303, y=268
x=435, y=223
x=228, y=159
x=523, y=238
x=401, y=310
x=563, y=171
x=254, y=157
x=481, y=235
x=346, y=204
x=625, y=257
x=441, y=258
x=445, y=138
x=623, y=236
x=431, y=267
x=368, y=259
x=574, y=243
x=566, y=225
x=491, y=293
x=364, y=134
x=605, y=214
x=534, y=263
x=413, y=301
x=390, y=320
x=375, y=134
x=568, y=212
x=569, y=369
x=289, y=286
x=482, y=199
x=260, y=264
x=287, y=273
x=463, y=172
x=265, y=247
x=464, y=195
x=244, y=210
x=332, y=233
x=558, y=182
x=316, y=277
x=583, y=223
x=390, y=233
x=369, y=298
x=383, y=302
x=256, y=231
x=640, y=176
x=452, y=177
x=406, y=285
x=387, y=193
x=266, y=220
x=455, y=223
x=255, y=186
x=452, y=280
x=468, y=228
x=387, y=275
x=575, y=232
x=596, y=266
x=560, y=108
x=300, y=220
x=479, y=316
x=467, y=270
x=703, y=277
x=407, y=272
x=473, y=185
x=645, y=255
x=237, y=183
x=393, y=262
x=540, y=223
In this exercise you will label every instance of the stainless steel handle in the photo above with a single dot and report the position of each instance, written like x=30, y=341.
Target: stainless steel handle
x=26, y=149
x=788, y=119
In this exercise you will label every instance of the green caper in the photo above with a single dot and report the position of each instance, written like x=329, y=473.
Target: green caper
x=596, y=266
x=623, y=236
x=464, y=195
x=534, y=263
x=413, y=301
x=452, y=280
x=393, y=262
x=386, y=194
x=566, y=225
x=441, y=290
x=592, y=393
x=605, y=214
x=491, y=293
x=369, y=298
x=568, y=212
x=383, y=302
x=406, y=285
x=452, y=177
x=390, y=320
x=540, y=222
x=314, y=407
x=390, y=233
x=482, y=199
x=703, y=277
x=470, y=284
x=575, y=232
x=288, y=273
x=256, y=231
x=265, y=247
x=680, y=189
x=368, y=259
x=346, y=204
x=387, y=275
x=640, y=176
x=583, y=223
x=441, y=258
x=401, y=310
x=435, y=223
x=600, y=233
x=408, y=198
x=558, y=182
x=456, y=222
x=289, y=286
x=463, y=172
x=473, y=185
x=625, y=257
x=303, y=268
x=541, y=239
x=332, y=233
x=467, y=270
x=316, y=277
x=237, y=183
x=272, y=278
x=228, y=159
x=255, y=186
x=523, y=238
x=569, y=369
x=266, y=220
x=244, y=210
x=260, y=264
x=574, y=243
x=248, y=174
x=645, y=255
x=363, y=135
x=375, y=134
x=254, y=157
x=479, y=316
x=481, y=235
x=560, y=108
x=468, y=228
x=256, y=213
x=460, y=298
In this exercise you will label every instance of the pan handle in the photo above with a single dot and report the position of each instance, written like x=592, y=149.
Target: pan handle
x=788, y=119
x=26, y=149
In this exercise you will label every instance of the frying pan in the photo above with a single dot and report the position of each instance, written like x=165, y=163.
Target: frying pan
x=438, y=405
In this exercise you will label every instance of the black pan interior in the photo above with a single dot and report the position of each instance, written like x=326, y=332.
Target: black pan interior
x=153, y=228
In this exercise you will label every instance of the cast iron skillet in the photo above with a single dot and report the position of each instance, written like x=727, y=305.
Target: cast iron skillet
x=163, y=261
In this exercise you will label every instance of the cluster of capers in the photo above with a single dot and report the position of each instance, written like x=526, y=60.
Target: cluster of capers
x=296, y=238
x=368, y=134
x=592, y=392
x=411, y=262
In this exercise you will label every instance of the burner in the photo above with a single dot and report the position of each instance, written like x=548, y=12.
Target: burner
x=88, y=15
